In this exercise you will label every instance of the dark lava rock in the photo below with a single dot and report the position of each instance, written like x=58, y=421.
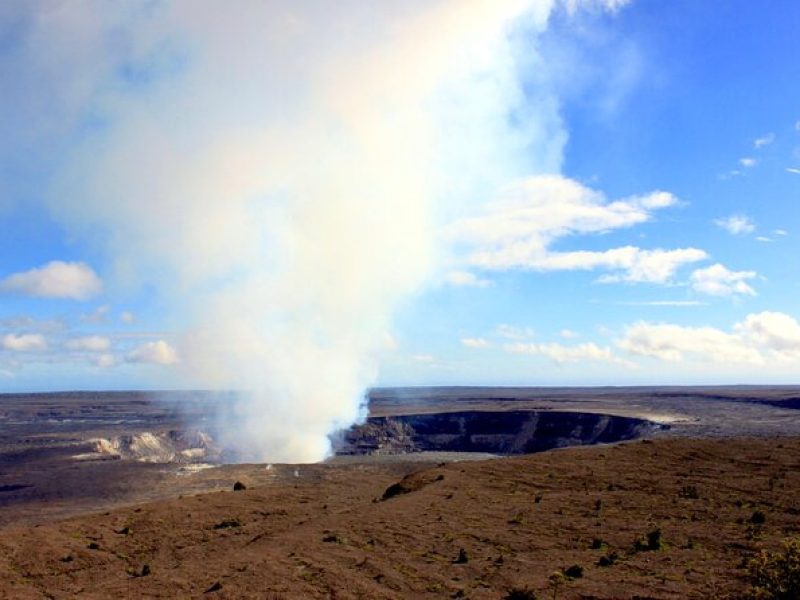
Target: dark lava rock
x=411, y=483
x=217, y=586
x=239, y=486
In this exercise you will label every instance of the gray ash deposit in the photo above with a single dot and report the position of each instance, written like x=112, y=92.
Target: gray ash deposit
x=506, y=432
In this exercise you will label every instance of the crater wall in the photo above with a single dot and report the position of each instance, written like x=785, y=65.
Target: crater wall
x=506, y=432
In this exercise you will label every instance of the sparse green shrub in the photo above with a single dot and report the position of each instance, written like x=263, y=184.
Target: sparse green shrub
x=689, y=492
x=654, y=540
x=652, y=544
x=758, y=518
x=462, y=557
x=608, y=559
x=517, y=519
x=556, y=580
x=776, y=575
x=574, y=572
x=596, y=544
x=520, y=594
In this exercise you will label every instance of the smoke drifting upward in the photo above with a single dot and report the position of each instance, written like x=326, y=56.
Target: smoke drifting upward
x=278, y=171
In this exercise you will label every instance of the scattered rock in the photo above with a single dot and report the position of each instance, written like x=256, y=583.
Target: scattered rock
x=239, y=486
x=93, y=546
x=462, y=557
x=411, y=483
x=215, y=587
x=228, y=524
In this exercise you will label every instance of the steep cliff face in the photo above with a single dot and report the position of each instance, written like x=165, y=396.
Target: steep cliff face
x=511, y=432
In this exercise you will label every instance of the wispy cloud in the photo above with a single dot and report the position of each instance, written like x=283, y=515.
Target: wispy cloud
x=676, y=303
x=748, y=162
x=98, y=315
x=764, y=140
x=510, y=332
x=466, y=279
x=736, y=224
x=561, y=353
x=793, y=170
x=92, y=343
x=424, y=358
x=475, y=342
x=517, y=229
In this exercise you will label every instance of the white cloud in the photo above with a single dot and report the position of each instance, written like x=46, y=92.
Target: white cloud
x=776, y=331
x=675, y=342
x=764, y=140
x=797, y=126
x=568, y=334
x=763, y=238
x=105, y=361
x=158, y=353
x=647, y=266
x=759, y=338
x=563, y=354
x=26, y=342
x=466, y=278
x=747, y=162
x=510, y=332
x=127, y=316
x=793, y=170
x=736, y=224
x=475, y=342
x=717, y=280
x=56, y=279
x=539, y=209
x=516, y=230
x=91, y=343
x=780, y=232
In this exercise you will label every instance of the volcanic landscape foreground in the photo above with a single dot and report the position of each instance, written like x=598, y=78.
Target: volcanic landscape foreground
x=640, y=493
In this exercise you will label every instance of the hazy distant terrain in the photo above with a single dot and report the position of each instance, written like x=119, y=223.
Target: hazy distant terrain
x=63, y=453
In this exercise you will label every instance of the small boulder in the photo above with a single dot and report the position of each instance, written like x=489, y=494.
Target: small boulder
x=239, y=486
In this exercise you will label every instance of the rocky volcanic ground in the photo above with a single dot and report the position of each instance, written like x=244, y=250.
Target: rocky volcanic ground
x=472, y=530
x=106, y=496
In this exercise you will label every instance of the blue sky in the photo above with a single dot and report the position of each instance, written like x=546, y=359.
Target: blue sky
x=541, y=193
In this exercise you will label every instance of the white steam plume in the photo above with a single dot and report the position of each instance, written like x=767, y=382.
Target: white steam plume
x=277, y=171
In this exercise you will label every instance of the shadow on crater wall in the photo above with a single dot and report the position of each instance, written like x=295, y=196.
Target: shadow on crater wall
x=507, y=432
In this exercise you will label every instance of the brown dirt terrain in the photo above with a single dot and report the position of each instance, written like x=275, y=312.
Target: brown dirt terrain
x=472, y=530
